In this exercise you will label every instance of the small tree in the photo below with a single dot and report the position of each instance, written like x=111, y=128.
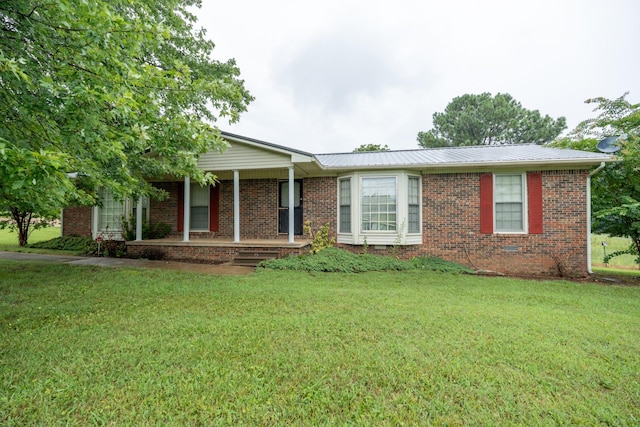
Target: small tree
x=371, y=147
x=616, y=189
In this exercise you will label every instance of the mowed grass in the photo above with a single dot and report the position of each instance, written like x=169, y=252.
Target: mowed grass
x=89, y=345
x=614, y=244
x=9, y=239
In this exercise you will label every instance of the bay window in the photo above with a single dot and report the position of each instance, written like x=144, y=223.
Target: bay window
x=379, y=209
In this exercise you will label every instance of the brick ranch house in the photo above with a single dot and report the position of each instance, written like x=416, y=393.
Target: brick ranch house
x=522, y=209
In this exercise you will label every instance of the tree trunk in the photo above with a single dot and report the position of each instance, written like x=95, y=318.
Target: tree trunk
x=23, y=222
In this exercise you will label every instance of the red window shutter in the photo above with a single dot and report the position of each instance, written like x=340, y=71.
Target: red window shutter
x=534, y=195
x=486, y=203
x=214, y=207
x=180, y=224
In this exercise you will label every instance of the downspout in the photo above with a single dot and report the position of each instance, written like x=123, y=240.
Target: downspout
x=592, y=173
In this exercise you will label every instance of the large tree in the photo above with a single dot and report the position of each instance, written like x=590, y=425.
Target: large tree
x=616, y=189
x=489, y=120
x=102, y=94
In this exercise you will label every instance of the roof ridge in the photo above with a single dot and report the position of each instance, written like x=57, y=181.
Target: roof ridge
x=434, y=149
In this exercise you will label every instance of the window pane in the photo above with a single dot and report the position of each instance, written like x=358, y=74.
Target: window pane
x=199, y=219
x=509, y=217
x=284, y=194
x=111, y=213
x=414, y=185
x=414, y=205
x=345, y=205
x=379, y=204
x=508, y=188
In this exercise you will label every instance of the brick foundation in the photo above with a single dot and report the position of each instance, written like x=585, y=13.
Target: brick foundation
x=203, y=252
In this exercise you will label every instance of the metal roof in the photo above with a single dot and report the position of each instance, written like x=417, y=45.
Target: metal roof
x=461, y=156
x=233, y=136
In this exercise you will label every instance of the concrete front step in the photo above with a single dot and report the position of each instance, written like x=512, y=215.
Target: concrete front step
x=252, y=258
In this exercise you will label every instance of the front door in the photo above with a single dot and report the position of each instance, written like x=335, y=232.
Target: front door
x=283, y=207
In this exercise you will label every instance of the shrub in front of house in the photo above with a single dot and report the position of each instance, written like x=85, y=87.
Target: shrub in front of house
x=157, y=230
x=82, y=245
x=439, y=265
x=340, y=261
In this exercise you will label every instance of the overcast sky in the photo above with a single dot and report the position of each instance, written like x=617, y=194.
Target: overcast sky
x=329, y=76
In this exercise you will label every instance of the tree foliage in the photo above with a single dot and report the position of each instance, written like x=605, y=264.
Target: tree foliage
x=371, y=147
x=489, y=120
x=616, y=189
x=103, y=93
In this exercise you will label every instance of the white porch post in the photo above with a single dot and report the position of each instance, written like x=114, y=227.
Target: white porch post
x=291, y=205
x=236, y=206
x=187, y=208
x=139, y=219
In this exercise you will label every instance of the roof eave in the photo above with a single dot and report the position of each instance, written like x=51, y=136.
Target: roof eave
x=548, y=164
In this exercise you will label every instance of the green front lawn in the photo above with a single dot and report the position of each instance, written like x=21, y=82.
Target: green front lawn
x=9, y=239
x=614, y=244
x=89, y=345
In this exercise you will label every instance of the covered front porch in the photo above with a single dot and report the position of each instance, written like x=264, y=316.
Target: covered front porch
x=253, y=211
x=216, y=251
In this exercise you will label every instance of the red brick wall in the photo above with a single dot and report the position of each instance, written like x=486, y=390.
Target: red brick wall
x=76, y=221
x=451, y=224
x=321, y=203
x=166, y=210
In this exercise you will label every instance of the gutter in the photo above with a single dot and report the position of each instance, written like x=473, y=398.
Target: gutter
x=592, y=173
x=468, y=165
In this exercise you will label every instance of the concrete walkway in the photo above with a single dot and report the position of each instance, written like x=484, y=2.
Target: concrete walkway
x=220, y=269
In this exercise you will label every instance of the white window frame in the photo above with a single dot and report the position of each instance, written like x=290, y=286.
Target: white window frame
x=524, y=201
x=342, y=205
x=115, y=232
x=400, y=236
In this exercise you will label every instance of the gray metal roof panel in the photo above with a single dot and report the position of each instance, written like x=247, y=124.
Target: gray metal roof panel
x=459, y=156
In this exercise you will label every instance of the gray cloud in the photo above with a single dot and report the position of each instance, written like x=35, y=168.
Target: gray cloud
x=332, y=71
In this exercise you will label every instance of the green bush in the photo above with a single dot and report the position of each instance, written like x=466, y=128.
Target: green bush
x=149, y=231
x=439, y=265
x=340, y=261
x=84, y=245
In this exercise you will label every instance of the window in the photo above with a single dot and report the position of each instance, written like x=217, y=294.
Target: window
x=199, y=208
x=344, y=213
x=379, y=209
x=110, y=213
x=378, y=204
x=509, y=203
x=414, y=205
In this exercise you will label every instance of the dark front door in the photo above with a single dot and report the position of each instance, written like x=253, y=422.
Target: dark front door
x=283, y=207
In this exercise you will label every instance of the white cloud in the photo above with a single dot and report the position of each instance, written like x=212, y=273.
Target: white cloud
x=332, y=75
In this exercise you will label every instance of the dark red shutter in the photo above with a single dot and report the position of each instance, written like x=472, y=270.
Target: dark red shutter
x=180, y=224
x=534, y=195
x=214, y=207
x=486, y=203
